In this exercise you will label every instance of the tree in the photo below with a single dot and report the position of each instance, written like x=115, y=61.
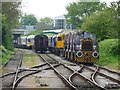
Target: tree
x=29, y=20
x=10, y=19
x=104, y=23
x=77, y=11
x=45, y=23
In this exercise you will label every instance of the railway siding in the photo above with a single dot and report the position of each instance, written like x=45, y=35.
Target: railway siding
x=11, y=66
x=51, y=71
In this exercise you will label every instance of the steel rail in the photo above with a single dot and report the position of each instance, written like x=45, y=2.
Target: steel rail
x=59, y=74
x=26, y=75
x=7, y=61
x=85, y=78
x=17, y=71
x=23, y=69
x=102, y=74
x=70, y=77
x=94, y=75
x=59, y=61
x=110, y=70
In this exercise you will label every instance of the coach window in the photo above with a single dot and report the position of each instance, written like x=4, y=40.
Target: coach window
x=59, y=38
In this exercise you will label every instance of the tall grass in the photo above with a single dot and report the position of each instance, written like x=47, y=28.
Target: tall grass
x=5, y=54
x=109, y=53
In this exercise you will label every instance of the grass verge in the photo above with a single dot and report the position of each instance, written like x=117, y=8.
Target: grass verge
x=5, y=54
x=108, y=50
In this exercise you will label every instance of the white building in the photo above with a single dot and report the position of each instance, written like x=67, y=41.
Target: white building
x=59, y=22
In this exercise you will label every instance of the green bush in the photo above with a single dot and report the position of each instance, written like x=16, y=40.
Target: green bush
x=108, y=50
x=5, y=54
x=109, y=46
x=36, y=32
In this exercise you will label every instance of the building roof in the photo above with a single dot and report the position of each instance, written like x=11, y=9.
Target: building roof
x=60, y=17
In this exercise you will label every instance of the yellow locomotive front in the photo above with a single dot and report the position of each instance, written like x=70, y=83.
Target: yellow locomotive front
x=59, y=43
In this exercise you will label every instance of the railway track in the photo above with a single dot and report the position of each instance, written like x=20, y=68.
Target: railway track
x=105, y=77
x=74, y=76
x=21, y=73
x=96, y=75
x=71, y=77
x=12, y=63
x=11, y=67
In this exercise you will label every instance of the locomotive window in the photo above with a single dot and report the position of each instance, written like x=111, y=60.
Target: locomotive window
x=59, y=38
x=24, y=39
x=87, y=45
x=29, y=40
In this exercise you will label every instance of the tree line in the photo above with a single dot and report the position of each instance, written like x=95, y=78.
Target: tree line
x=30, y=19
x=95, y=17
x=10, y=19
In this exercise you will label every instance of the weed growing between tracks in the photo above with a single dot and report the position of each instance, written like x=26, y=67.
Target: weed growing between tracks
x=30, y=60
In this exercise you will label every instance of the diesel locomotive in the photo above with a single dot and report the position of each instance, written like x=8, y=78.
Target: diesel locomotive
x=79, y=46
x=76, y=46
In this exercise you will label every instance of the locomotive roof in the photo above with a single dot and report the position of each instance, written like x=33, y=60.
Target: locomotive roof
x=41, y=35
x=31, y=36
x=23, y=37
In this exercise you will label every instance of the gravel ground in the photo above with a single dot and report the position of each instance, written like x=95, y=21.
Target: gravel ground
x=44, y=79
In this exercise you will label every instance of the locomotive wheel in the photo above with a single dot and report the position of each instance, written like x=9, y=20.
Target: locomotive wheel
x=69, y=54
x=63, y=54
x=72, y=56
x=66, y=55
x=36, y=51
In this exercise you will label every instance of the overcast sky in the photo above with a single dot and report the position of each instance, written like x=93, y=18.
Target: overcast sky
x=47, y=8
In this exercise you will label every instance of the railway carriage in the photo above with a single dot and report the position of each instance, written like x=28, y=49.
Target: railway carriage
x=41, y=43
x=52, y=44
x=22, y=42
x=18, y=42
